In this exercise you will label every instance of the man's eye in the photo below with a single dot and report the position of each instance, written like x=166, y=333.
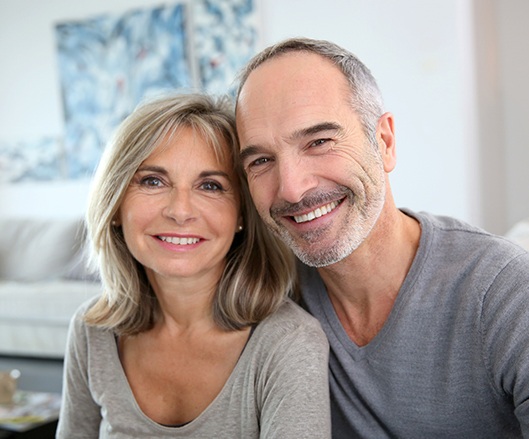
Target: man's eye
x=259, y=161
x=319, y=142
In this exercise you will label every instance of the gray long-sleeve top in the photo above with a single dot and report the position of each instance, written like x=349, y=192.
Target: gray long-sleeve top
x=278, y=389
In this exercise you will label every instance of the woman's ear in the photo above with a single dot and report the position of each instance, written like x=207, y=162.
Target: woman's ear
x=240, y=224
x=386, y=141
x=116, y=220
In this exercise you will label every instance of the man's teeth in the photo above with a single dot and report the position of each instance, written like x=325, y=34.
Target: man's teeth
x=179, y=241
x=320, y=211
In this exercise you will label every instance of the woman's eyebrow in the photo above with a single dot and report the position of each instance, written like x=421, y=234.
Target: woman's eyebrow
x=151, y=168
x=214, y=173
x=162, y=170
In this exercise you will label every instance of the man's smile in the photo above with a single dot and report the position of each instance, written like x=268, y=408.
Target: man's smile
x=316, y=213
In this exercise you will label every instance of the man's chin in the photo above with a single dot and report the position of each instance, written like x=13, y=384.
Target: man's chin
x=318, y=254
x=318, y=259
x=311, y=249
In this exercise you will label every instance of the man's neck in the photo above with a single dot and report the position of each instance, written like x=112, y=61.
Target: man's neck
x=364, y=286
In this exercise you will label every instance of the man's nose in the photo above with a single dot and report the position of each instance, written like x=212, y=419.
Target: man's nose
x=295, y=180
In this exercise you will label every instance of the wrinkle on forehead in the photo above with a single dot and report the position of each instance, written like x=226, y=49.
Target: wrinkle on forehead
x=289, y=93
x=306, y=73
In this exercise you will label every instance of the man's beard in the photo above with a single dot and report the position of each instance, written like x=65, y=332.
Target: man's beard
x=359, y=221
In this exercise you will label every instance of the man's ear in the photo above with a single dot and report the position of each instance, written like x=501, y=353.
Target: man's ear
x=386, y=141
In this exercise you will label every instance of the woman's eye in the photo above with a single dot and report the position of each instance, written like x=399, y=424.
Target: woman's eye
x=154, y=182
x=211, y=186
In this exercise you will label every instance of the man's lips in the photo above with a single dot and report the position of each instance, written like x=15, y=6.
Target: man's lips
x=311, y=207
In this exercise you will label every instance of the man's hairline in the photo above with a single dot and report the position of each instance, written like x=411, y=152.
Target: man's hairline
x=285, y=53
x=281, y=53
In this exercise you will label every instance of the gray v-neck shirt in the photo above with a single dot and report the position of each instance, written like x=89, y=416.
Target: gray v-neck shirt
x=452, y=359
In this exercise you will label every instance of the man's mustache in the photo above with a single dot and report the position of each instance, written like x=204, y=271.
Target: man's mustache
x=309, y=202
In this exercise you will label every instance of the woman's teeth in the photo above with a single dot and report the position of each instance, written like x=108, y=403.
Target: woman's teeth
x=179, y=241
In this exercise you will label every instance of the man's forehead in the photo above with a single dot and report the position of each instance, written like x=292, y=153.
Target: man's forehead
x=289, y=69
x=292, y=85
x=288, y=95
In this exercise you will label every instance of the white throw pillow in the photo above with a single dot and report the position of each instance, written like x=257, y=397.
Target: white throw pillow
x=38, y=249
x=520, y=234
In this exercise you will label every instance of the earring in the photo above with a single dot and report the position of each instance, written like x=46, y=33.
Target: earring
x=114, y=223
x=240, y=228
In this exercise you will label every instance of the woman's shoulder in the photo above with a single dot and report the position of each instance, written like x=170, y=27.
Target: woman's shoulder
x=80, y=329
x=291, y=311
x=292, y=320
x=287, y=340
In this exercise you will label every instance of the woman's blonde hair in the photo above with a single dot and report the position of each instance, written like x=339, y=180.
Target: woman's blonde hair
x=260, y=269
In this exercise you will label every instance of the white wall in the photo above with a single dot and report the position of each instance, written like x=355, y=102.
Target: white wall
x=421, y=52
x=502, y=66
x=30, y=104
x=418, y=51
x=514, y=74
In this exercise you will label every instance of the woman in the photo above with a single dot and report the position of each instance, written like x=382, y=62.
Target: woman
x=194, y=335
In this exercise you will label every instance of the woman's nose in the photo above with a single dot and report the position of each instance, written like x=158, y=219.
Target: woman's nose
x=179, y=206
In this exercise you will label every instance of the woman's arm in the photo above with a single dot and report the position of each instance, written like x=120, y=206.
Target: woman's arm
x=80, y=415
x=295, y=392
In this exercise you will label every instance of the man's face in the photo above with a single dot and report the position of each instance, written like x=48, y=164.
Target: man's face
x=315, y=179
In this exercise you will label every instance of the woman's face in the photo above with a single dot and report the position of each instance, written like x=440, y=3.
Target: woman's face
x=181, y=210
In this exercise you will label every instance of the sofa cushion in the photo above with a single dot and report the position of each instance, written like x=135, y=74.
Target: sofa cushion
x=520, y=234
x=38, y=249
x=34, y=316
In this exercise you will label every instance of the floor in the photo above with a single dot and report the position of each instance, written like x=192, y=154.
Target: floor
x=37, y=374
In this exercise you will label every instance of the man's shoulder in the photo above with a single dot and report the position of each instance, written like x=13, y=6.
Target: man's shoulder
x=444, y=223
x=456, y=233
x=452, y=249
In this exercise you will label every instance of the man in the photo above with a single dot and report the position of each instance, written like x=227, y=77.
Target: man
x=427, y=317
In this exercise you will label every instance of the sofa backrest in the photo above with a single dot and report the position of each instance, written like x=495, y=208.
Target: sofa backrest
x=519, y=233
x=34, y=249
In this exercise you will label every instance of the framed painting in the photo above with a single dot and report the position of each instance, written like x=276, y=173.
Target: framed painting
x=109, y=64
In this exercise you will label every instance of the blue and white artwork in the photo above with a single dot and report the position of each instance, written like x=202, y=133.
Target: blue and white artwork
x=37, y=160
x=108, y=65
x=225, y=36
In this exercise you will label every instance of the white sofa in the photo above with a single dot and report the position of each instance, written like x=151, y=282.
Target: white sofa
x=519, y=233
x=43, y=281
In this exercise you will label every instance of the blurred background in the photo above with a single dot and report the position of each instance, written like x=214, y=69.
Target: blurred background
x=453, y=72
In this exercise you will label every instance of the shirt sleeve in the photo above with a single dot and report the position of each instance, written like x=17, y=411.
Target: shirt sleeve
x=294, y=387
x=505, y=329
x=80, y=415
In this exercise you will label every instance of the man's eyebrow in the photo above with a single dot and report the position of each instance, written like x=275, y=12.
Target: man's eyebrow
x=298, y=134
x=249, y=151
x=315, y=129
